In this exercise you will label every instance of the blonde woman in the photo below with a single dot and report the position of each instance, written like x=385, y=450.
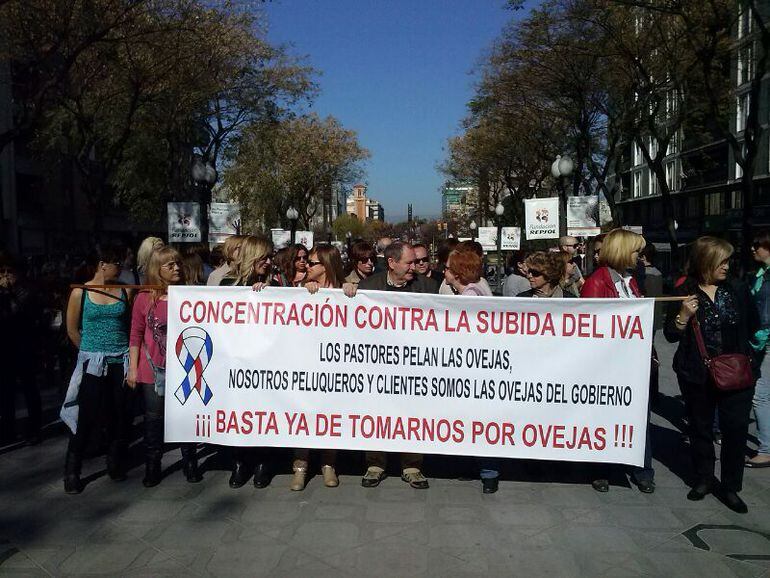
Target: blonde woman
x=253, y=268
x=147, y=361
x=146, y=249
x=614, y=279
x=230, y=250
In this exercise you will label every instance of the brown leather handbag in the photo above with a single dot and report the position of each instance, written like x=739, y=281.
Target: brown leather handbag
x=730, y=371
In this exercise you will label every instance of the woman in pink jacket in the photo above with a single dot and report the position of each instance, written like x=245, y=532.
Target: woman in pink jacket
x=147, y=362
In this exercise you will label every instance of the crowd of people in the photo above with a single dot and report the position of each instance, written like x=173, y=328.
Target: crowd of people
x=118, y=330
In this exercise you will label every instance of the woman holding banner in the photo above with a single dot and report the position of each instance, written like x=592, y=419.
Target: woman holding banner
x=463, y=274
x=717, y=319
x=760, y=290
x=324, y=271
x=612, y=280
x=147, y=367
x=97, y=399
x=545, y=272
x=253, y=267
x=360, y=262
x=293, y=269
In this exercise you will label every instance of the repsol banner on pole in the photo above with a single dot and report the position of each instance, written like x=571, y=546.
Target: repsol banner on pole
x=521, y=378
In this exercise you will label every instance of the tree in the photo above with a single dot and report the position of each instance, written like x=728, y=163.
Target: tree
x=345, y=224
x=294, y=162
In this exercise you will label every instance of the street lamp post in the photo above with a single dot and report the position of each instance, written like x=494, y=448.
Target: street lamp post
x=499, y=210
x=561, y=170
x=473, y=230
x=204, y=175
x=292, y=215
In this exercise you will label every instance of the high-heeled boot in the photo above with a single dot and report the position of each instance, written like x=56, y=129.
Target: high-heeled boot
x=190, y=464
x=72, y=483
x=152, y=473
x=115, y=462
x=300, y=473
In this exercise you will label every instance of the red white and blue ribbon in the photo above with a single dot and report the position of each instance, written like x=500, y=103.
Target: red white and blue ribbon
x=194, y=349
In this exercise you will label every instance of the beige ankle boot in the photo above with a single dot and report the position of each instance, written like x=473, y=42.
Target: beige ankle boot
x=300, y=471
x=330, y=477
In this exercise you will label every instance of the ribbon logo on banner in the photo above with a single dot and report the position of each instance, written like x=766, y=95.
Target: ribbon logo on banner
x=193, y=349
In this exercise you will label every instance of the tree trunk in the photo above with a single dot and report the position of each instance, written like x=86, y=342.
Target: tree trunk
x=668, y=210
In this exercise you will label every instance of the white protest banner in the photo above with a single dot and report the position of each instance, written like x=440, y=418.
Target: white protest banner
x=184, y=222
x=304, y=238
x=224, y=221
x=281, y=238
x=542, y=218
x=583, y=216
x=409, y=372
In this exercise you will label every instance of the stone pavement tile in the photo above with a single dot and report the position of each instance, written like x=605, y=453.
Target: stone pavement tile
x=389, y=512
x=393, y=490
x=572, y=495
x=695, y=564
x=460, y=514
x=337, y=511
x=525, y=515
x=151, y=510
x=271, y=513
x=578, y=538
x=463, y=535
x=458, y=493
x=397, y=557
x=110, y=559
x=324, y=538
x=650, y=517
x=206, y=533
x=258, y=559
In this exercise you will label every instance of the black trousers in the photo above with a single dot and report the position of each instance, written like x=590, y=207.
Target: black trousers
x=734, y=410
x=105, y=405
x=154, y=411
x=18, y=375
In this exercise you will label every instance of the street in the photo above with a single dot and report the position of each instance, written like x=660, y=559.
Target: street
x=546, y=520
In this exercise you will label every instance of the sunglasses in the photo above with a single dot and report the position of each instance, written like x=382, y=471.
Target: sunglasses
x=422, y=260
x=313, y=263
x=534, y=272
x=171, y=264
x=302, y=258
x=365, y=260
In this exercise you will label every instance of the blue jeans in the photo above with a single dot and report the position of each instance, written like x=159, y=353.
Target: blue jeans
x=761, y=403
x=490, y=468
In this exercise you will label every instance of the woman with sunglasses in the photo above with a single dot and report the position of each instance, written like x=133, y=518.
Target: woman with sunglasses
x=324, y=271
x=97, y=399
x=545, y=272
x=293, y=267
x=612, y=280
x=253, y=268
x=147, y=369
x=361, y=262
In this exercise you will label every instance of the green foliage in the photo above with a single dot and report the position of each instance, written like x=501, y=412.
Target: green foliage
x=296, y=163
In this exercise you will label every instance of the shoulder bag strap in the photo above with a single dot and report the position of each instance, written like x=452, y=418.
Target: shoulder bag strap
x=699, y=340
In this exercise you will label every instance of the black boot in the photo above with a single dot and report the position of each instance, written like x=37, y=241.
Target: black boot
x=151, y=473
x=72, y=483
x=262, y=476
x=190, y=465
x=240, y=475
x=115, y=462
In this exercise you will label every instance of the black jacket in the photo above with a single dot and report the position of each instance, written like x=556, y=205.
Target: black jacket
x=419, y=284
x=688, y=363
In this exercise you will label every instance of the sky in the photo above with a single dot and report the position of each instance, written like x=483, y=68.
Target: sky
x=399, y=73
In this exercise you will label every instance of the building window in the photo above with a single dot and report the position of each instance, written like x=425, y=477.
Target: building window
x=637, y=192
x=652, y=183
x=653, y=143
x=673, y=144
x=741, y=111
x=638, y=157
x=672, y=175
x=745, y=64
x=714, y=204
x=693, y=207
x=736, y=200
x=745, y=22
x=738, y=172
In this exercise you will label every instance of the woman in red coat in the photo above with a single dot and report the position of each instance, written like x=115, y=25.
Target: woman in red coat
x=614, y=279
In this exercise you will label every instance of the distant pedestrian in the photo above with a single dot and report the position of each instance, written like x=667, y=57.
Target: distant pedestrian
x=381, y=264
x=545, y=272
x=143, y=254
x=516, y=282
x=759, y=284
x=230, y=249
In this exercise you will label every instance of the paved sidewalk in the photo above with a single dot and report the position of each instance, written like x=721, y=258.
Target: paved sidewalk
x=545, y=521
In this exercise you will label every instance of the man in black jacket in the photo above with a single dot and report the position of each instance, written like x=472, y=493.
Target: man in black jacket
x=400, y=276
